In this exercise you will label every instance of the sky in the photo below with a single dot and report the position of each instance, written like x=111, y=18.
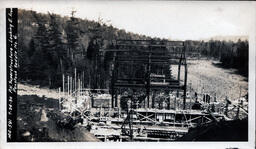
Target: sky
x=177, y=20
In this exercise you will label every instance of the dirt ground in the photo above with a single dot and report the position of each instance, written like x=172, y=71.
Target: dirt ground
x=26, y=89
x=206, y=76
x=32, y=127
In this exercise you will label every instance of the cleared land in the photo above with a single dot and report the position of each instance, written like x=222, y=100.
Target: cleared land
x=26, y=89
x=206, y=76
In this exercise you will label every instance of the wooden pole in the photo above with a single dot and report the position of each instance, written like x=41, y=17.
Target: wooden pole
x=68, y=85
x=83, y=80
x=81, y=84
x=153, y=99
x=75, y=81
x=78, y=87
x=71, y=85
x=59, y=99
x=63, y=84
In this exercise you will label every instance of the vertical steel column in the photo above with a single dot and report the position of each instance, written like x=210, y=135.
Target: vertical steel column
x=116, y=72
x=113, y=81
x=185, y=88
x=179, y=73
x=149, y=79
x=185, y=78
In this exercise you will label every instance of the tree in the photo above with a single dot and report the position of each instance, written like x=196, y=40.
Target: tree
x=41, y=59
x=73, y=32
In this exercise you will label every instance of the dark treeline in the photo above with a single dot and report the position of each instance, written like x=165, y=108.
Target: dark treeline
x=51, y=45
x=231, y=54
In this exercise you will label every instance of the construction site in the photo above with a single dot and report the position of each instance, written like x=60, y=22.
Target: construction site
x=151, y=104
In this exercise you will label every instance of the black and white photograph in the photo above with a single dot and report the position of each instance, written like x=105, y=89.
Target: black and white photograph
x=130, y=71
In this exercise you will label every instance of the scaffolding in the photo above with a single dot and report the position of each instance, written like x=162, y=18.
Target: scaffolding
x=143, y=66
x=148, y=53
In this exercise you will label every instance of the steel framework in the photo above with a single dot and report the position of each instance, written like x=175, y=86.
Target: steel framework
x=147, y=53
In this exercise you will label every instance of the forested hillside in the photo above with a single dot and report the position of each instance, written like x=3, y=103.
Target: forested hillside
x=51, y=45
